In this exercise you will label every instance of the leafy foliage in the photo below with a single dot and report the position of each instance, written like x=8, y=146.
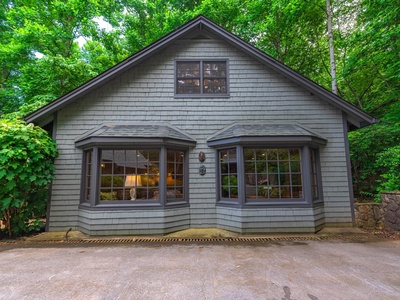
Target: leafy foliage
x=389, y=162
x=26, y=169
x=368, y=148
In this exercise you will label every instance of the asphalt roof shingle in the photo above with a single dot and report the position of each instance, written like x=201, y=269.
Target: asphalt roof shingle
x=137, y=130
x=265, y=130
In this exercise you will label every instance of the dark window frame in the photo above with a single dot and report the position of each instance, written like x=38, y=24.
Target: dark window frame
x=308, y=200
x=125, y=190
x=270, y=184
x=96, y=204
x=201, y=79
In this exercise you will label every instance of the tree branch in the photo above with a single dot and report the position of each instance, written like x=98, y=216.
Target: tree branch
x=384, y=104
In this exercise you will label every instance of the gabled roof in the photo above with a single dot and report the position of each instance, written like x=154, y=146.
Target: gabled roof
x=201, y=25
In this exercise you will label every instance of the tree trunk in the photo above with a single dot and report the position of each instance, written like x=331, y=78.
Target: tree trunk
x=331, y=47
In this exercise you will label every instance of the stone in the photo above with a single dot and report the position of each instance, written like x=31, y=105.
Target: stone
x=392, y=206
x=390, y=217
x=377, y=212
x=364, y=209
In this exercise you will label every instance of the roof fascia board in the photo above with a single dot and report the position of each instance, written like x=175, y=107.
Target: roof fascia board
x=268, y=141
x=130, y=141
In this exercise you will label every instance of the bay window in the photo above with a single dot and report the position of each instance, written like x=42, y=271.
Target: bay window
x=268, y=165
x=134, y=171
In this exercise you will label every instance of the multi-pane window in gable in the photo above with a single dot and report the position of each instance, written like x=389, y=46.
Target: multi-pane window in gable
x=201, y=77
x=214, y=78
x=188, y=78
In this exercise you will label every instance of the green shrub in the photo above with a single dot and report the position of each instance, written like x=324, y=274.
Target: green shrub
x=367, y=146
x=26, y=170
x=389, y=162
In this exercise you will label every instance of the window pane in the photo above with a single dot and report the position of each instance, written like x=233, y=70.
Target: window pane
x=188, y=86
x=215, y=86
x=295, y=166
x=228, y=169
x=273, y=166
x=294, y=154
x=248, y=154
x=188, y=69
x=297, y=192
x=214, y=69
x=129, y=174
x=88, y=176
x=272, y=173
x=296, y=179
x=285, y=192
x=272, y=154
x=284, y=166
x=283, y=154
x=249, y=167
x=175, y=175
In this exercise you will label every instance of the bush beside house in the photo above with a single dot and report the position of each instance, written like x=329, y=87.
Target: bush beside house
x=26, y=170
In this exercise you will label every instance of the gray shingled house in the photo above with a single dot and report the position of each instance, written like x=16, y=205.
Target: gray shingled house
x=200, y=129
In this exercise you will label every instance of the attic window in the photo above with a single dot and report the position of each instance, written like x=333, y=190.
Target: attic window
x=201, y=78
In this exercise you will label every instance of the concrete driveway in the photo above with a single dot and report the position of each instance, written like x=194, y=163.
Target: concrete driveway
x=309, y=269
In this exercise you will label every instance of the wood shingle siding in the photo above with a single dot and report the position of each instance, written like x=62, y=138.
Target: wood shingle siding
x=147, y=94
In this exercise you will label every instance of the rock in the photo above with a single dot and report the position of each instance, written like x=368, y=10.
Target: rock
x=392, y=206
x=390, y=217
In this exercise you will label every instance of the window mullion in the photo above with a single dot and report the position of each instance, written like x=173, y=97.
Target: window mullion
x=201, y=78
x=240, y=174
x=306, y=173
x=163, y=176
x=95, y=178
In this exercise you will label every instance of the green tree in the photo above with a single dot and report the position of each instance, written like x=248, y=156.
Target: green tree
x=370, y=79
x=292, y=31
x=371, y=73
x=389, y=162
x=26, y=169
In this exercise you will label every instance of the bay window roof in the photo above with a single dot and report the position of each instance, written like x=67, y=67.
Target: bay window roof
x=238, y=133
x=123, y=134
